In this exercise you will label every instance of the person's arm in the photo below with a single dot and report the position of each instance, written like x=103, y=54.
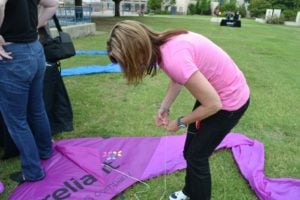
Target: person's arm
x=172, y=92
x=2, y=9
x=163, y=112
x=203, y=91
x=48, y=9
x=3, y=53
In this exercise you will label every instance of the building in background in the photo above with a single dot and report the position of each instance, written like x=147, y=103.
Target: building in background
x=138, y=7
x=182, y=5
x=107, y=7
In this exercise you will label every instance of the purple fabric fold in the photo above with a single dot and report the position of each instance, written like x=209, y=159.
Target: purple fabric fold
x=249, y=156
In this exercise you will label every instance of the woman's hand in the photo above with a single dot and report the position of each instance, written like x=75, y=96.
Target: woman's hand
x=162, y=117
x=172, y=126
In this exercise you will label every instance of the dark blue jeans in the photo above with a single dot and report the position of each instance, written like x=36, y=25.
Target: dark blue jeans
x=200, y=144
x=22, y=105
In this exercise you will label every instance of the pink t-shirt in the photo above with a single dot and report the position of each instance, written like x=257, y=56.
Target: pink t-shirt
x=184, y=54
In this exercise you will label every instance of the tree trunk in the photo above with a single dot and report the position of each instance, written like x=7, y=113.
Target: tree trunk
x=117, y=8
x=78, y=10
x=78, y=2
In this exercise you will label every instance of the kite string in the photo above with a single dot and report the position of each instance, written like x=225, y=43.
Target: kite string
x=165, y=168
x=133, y=178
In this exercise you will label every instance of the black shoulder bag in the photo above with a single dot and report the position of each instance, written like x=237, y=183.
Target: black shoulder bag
x=58, y=48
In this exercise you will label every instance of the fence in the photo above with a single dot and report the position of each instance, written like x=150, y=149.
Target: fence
x=70, y=15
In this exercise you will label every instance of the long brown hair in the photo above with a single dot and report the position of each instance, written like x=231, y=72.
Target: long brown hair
x=136, y=48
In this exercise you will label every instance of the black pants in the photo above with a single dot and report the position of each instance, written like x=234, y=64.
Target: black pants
x=200, y=144
x=57, y=102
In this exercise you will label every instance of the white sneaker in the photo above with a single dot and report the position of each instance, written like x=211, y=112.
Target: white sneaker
x=178, y=196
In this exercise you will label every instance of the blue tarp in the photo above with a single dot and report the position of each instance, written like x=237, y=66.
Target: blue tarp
x=92, y=69
x=91, y=52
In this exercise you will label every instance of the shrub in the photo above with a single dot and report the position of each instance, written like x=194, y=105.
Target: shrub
x=154, y=4
x=289, y=15
x=192, y=9
x=242, y=10
x=275, y=20
x=258, y=8
x=204, y=7
x=228, y=7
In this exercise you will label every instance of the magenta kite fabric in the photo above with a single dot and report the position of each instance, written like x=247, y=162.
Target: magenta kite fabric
x=98, y=168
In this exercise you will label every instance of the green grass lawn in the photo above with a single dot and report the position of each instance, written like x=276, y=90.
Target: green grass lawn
x=269, y=55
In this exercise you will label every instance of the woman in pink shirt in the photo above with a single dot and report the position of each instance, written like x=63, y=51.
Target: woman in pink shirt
x=209, y=74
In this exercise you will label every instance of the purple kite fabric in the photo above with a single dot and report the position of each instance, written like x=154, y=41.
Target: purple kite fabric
x=1, y=187
x=85, y=168
x=98, y=168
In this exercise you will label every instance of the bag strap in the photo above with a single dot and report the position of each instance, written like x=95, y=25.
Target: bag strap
x=43, y=32
x=44, y=35
x=56, y=21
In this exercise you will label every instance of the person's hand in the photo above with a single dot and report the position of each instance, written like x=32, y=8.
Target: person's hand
x=2, y=41
x=162, y=117
x=42, y=24
x=172, y=126
x=3, y=53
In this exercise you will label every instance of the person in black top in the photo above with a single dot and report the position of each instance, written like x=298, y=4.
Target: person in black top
x=236, y=16
x=22, y=67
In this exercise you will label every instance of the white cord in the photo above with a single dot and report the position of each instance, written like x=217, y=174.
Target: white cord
x=133, y=178
x=165, y=170
x=140, y=181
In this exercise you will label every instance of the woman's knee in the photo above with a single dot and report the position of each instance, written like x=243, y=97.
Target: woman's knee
x=199, y=166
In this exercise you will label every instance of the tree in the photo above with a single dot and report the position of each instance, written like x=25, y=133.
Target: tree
x=154, y=4
x=117, y=7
